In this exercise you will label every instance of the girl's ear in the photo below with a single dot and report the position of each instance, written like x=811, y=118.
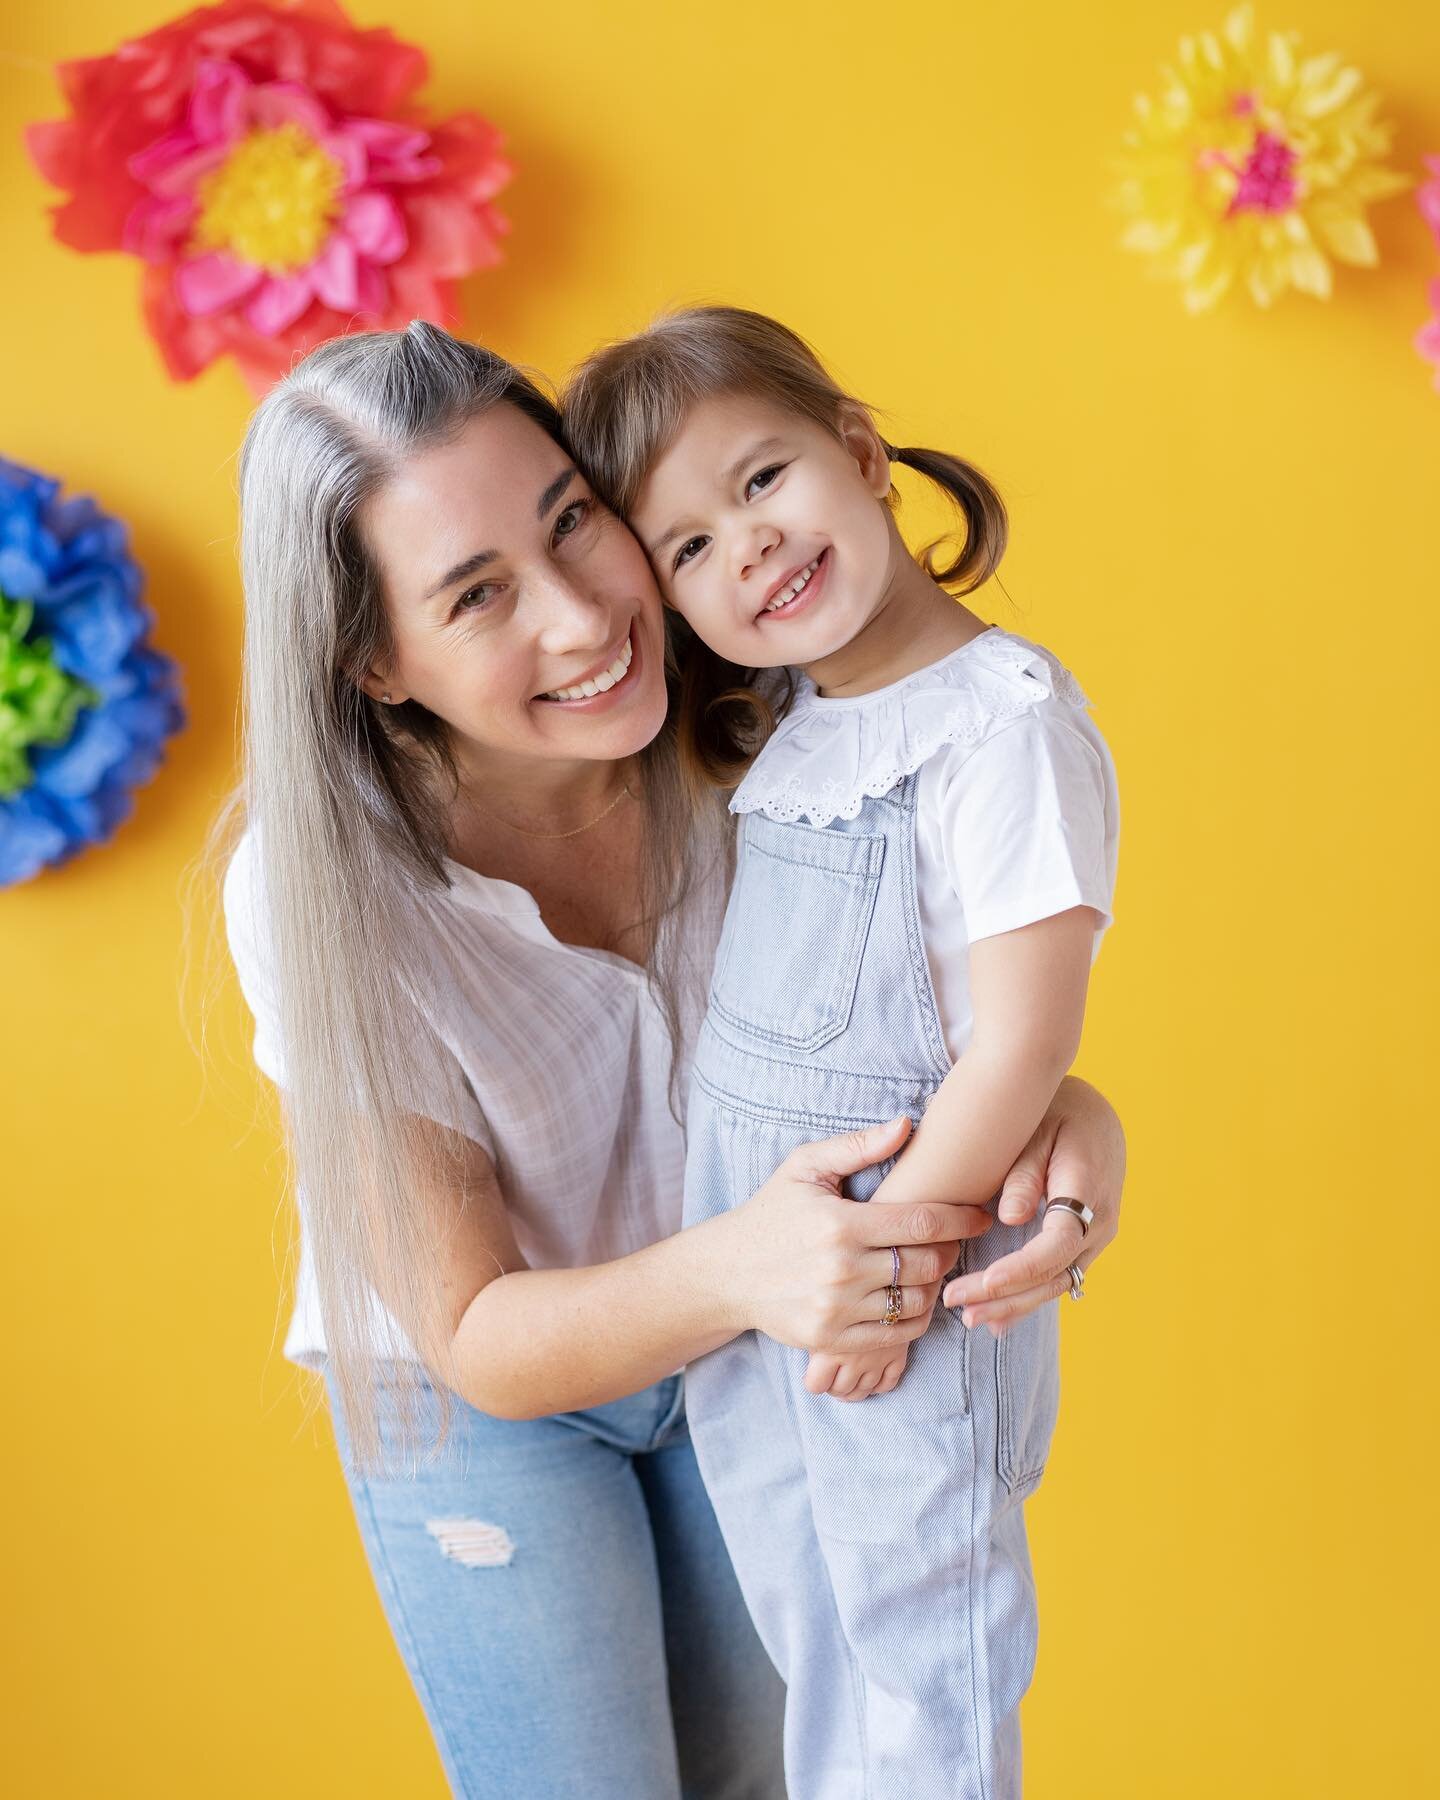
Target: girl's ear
x=863, y=441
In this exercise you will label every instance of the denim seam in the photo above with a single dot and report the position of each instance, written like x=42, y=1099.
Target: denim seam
x=973, y=1553
x=781, y=1115
x=929, y=1014
x=873, y=841
x=926, y=1079
x=1018, y=1481
x=409, y=1650
x=858, y=1687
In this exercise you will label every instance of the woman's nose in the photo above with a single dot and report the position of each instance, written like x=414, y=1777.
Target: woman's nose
x=573, y=616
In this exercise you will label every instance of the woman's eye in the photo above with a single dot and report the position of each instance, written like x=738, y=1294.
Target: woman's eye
x=689, y=549
x=763, y=478
x=575, y=513
x=473, y=599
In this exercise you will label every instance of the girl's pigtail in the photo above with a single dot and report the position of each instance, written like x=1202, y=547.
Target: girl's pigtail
x=986, y=525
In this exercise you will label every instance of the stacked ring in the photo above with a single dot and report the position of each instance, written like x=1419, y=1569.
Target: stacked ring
x=892, y=1293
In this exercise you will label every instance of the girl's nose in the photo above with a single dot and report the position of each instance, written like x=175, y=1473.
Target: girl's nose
x=755, y=544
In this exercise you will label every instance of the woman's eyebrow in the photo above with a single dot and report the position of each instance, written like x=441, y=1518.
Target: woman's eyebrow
x=479, y=558
x=733, y=473
x=556, y=488
x=469, y=566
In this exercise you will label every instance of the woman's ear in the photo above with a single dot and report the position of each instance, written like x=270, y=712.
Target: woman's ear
x=863, y=441
x=380, y=685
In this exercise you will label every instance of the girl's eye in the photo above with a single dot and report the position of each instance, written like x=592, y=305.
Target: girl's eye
x=576, y=513
x=690, y=549
x=763, y=478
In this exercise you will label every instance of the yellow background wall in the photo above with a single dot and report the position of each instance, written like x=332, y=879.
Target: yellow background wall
x=1218, y=523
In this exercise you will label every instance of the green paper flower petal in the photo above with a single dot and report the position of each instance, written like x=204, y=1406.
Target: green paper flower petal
x=38, y=700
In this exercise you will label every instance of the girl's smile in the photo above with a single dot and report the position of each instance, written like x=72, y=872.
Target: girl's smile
x=798, y=592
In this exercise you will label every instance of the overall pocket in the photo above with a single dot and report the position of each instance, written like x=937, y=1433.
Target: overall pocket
x=789, y=955
x=1027, y=1384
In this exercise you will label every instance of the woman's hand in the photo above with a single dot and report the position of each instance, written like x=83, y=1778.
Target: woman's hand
x=1078, y=1151
x=810, y=1268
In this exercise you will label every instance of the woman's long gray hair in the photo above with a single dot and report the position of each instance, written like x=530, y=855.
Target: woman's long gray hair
x=347, y=803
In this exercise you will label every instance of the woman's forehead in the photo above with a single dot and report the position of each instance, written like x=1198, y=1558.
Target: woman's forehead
x=489, y=481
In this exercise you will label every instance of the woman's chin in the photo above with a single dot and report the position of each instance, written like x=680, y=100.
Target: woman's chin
x=622, y=720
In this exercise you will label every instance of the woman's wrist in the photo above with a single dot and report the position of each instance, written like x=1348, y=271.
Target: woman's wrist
x=718, y=1247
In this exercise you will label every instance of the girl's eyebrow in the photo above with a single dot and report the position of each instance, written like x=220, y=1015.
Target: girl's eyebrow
x=733, y=473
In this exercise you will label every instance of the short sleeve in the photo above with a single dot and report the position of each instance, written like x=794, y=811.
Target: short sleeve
x=426, y=1063
x=1029, y=822
x=248, y=938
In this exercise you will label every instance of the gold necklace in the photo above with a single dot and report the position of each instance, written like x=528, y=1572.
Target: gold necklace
x=590, y=826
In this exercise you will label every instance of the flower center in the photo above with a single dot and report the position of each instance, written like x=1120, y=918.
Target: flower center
x=272, y=202
x=38, y=700
x=1267, y=177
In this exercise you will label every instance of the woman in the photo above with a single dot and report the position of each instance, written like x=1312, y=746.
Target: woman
x=472, y=912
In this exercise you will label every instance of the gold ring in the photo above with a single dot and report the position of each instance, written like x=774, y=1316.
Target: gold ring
x=892, y=1305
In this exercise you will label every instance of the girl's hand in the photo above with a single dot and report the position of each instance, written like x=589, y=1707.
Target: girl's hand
x=1078, y=1150
x=856, y=1377
x=810, y=1268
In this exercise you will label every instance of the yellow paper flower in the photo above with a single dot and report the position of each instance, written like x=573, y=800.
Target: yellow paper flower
x=1254, y=166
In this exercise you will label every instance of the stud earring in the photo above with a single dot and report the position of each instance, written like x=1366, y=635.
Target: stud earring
x=386, y=698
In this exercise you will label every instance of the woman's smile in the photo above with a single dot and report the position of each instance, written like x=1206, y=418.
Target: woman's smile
x=604, y=684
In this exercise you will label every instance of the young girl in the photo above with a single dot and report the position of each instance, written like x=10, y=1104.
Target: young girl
x=926, y=863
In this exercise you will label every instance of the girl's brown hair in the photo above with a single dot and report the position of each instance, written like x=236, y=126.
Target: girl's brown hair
x=623, y=409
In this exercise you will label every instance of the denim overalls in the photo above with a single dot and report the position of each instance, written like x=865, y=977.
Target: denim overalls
x=880, y=1545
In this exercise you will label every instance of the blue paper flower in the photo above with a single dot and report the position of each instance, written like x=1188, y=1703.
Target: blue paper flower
x=85, y=704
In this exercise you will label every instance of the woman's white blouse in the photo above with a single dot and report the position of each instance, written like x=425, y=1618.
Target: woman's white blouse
x=559, y=1064
x=1017, y=815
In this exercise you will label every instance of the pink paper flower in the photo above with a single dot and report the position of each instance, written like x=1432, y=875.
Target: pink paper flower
x=265, y=164
x=1427, y=340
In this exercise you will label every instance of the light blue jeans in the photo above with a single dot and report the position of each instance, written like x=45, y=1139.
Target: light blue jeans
x=881, y=1545
x=562, y=1599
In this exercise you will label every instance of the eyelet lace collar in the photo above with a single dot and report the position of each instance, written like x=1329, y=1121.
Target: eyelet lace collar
x=828, y=756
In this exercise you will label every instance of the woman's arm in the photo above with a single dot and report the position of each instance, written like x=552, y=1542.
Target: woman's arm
x=1078, y=1150
x=798, y=1261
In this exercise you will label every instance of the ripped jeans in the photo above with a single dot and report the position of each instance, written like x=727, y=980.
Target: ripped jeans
x=563, y=1602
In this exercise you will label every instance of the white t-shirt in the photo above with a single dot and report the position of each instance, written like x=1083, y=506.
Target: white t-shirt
x=558, y=1065
x=1017, y=815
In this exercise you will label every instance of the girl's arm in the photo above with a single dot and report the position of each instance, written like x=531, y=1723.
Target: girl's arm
x=1078, y=1149
x=797, y=1261
x=1027, y=991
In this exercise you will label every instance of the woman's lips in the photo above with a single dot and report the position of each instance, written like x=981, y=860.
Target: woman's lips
x=612, y=696
x=804, y=599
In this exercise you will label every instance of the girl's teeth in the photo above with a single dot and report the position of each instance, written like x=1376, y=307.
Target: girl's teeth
x=599, y=684
x=788, y=593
